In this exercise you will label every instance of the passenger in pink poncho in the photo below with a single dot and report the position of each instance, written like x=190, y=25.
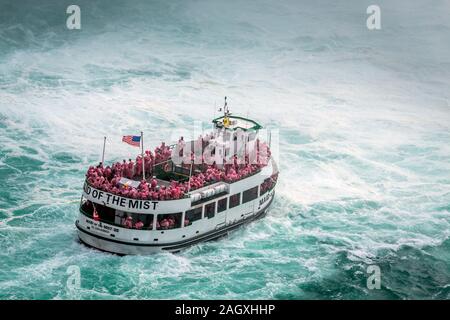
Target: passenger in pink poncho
x=128, y=222
x=164, y=224
x=138, y=167
x=154, y=183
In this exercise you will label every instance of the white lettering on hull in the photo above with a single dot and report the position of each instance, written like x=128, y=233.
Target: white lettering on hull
x=265, y=198
x=118, y=201
x=187, y=310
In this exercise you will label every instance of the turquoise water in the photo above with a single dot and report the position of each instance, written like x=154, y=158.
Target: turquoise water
x=364, y=131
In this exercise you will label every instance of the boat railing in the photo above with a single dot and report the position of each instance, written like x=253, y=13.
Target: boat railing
x=159, y=167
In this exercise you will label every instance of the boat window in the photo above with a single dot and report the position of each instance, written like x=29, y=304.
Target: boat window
x=117, y=217
x=222, y=205
x=250, y=194
x=134, y=220
x=193, y=215
x=168, y=221
x=263, y=188
x=268, y=184
x=210, y=210
x=106, y=214
x=235, y=200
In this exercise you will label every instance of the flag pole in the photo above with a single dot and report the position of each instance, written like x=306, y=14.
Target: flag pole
x=190, y=174
x=103, y=154
x=142, y=154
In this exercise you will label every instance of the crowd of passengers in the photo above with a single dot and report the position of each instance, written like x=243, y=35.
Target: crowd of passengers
x=162, y=223
x=107, y=178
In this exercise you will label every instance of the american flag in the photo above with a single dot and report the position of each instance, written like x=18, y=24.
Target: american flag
x=133, y=140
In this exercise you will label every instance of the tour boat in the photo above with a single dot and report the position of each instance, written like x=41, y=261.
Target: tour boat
x=180, y=195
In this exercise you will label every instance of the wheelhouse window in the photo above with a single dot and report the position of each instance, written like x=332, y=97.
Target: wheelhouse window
x=168, y=221
x=221, y=205
x=210, y=210
x=235, y=200
x=192, y=215
x=87, y=207
x=268, y=184
x=250, y=194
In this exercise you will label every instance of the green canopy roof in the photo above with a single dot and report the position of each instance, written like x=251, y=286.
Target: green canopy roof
x=238, y=123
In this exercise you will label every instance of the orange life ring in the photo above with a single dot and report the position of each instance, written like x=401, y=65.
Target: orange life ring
x=166, y=167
